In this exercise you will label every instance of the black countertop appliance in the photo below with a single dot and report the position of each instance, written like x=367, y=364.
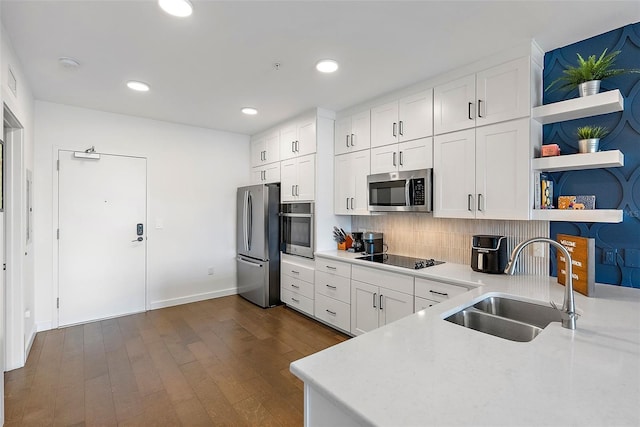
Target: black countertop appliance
x=489, y=254
x=373, y=243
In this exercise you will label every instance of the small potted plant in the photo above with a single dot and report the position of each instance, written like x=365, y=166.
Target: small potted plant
x=588, y=74
x=589, y=138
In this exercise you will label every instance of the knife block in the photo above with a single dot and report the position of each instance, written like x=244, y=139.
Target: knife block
x=346, y=244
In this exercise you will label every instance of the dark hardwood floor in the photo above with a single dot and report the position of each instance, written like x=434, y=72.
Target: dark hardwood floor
x=217, y=362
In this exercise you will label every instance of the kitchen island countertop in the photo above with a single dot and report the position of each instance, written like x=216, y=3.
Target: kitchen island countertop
x=423, y=370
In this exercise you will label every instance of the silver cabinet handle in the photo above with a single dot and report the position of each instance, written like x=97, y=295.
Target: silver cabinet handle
x=295, y=300
x=470, y=202
x=293, y=146
x=401, y=128
x=297, y=190
x=380, y=301
x=331, y=287
x=295, y=272
x=352, y=203
x=479, y=109
x=394, y=129
x=347, y=202
x=333, y=313
x=297, y=146
x=352, y=139
x=331, y=267
x=401, y=161
x=293, y=188
x=139, y=239
x=295, y=286
x=444, y=294
x=262, y=174
x=470, y=105
x=347, y=141
x=480, y=202
x=374, y=299
x=394, y=158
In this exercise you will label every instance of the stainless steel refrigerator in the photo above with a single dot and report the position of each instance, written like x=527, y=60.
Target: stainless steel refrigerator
x=258, y=244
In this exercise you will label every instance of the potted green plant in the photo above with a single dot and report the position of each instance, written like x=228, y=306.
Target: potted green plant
x=589, y=72
x=589, y=138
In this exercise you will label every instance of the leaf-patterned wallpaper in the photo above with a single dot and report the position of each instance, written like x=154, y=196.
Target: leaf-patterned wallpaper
x=614, y=188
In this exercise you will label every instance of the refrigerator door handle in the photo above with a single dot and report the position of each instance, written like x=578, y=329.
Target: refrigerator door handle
x=252, y=264
x=244, y=220
x=250, y=222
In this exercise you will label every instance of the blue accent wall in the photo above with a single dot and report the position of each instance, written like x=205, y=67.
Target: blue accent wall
x=614, y=188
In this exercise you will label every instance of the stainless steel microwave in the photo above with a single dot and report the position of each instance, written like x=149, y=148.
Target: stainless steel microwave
x=401, y=191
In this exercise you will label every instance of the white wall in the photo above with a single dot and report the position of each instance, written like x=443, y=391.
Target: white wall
x=192, y=175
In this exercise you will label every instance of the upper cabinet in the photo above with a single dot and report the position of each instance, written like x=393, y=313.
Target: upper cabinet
x=298, y=138
x=265, y=148
x=350, y=193
x=404, y=120
x=494, y=95
x=298, y=179
x=353, y=133
x=404, y=156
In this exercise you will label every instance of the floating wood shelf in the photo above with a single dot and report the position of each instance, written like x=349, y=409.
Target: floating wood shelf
x=577, y=108
x=601, y=159
x=587, y=215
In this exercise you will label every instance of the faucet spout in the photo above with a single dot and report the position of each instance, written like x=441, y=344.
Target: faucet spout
x=568, y=306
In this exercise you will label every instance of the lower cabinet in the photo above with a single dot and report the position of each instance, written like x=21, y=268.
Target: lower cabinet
x=430, y=292
x=333, y=293
x=297, y=284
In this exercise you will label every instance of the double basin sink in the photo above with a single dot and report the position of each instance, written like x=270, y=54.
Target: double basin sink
x=506, y=318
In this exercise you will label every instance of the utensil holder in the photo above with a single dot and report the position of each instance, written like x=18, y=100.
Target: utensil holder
x=346, y=244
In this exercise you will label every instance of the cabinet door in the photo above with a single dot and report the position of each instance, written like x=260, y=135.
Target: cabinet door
x=417, y=154
x=503, y=92
x=271, y=173
x=359, y=171
x=344, y=185
x=454, y=105
x=306, y=140
x=257, y=151
x=257, y=175
x=288, y=179
x=364, y=307
x=394, y=305
x=422, y=303
x=272, y=147
x=454, y=175
x=416, y=116
x=384, y=159
x=306, y=185
x=288, y=141
x=384, y=124
x=502, y=170
x=342, y=137
x=361, y=131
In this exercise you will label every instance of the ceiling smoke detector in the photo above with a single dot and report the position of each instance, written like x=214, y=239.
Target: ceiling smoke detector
x=179, y=8
x=67, y=62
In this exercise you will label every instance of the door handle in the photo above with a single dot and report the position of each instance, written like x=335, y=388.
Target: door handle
x=401, y=161
x=380, y=301
x=470, y=105
x=347, y=141
x=352, y=203
x=394, y=129
x=347, y=203
x=352, y=143
x=480, y=202
x=293, y=188
x=394, y=159
x=401, y=127
x=139, y=239
x=374, y=299
x=479, y=109
x=470, y=202
x=297, y=146
x=293, y=146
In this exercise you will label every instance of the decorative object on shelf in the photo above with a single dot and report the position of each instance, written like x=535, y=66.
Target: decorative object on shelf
x=549, y=150
x=576, y=202
x=582, y=252
x=589, y=138
x=588, y=74
x=546, y=190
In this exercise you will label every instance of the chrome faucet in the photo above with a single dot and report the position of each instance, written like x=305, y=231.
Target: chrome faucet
x=568, y=306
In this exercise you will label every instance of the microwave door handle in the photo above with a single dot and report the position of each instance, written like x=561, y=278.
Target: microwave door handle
x=407, y=192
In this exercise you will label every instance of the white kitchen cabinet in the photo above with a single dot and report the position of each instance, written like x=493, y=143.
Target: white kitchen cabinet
x=429, y=292
x=297, y=284
x=404, y=120
x=411, y=155
x=422, y=303
x=297, y=177
x=483, y=172
x=266, y=174
x=265, y=148
x=350, y=191
x=333, y=293
x=298, y=138
x=494, y=95
x=353, y=133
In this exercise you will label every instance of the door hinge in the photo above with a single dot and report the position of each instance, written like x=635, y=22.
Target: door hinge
x=58, y=234
x=57, y=302
x=58, y=165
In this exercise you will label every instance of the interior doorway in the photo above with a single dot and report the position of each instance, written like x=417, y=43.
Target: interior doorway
x=101, y=236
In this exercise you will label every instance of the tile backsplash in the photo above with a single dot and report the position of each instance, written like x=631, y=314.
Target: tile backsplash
x=422, y=236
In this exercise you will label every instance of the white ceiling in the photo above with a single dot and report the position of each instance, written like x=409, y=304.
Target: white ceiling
x=204, y=68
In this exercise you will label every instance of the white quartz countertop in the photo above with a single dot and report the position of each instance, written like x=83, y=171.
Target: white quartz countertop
x=423, y=370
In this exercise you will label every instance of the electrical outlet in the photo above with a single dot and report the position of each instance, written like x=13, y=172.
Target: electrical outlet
x=538, y=249
x=211, y=271
x=609, y=256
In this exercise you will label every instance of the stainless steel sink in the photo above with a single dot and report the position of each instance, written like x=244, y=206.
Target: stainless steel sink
x=506, y=318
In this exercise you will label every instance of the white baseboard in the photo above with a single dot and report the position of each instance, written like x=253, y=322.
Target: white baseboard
x=154, y=305
x=44, y=326
x=32, y=336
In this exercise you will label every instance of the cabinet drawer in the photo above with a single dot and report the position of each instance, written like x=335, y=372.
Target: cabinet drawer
x=333, y=312
x=437, y=291
x=333, y=286
x=297, y=271
x=297, y=286
x=386, y=279
x=297, y=301
x=330, y=266
x=422, y=303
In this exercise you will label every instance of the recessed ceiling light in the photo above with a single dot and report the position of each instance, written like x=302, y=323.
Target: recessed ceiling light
x=179, y=8
x=327, y=66
x=67, y=62
x=249, y=111
x=138, y=86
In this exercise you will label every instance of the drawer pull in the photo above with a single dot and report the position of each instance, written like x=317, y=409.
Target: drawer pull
x=295, y=286
x=331, y=287
x=380, y=301
x=295, y=272
x=333, y=313
x=330, y=267
x=374, y=299
x=295, y=300
x=444, y=294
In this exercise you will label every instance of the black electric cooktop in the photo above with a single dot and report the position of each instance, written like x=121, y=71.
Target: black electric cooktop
x=401, y=261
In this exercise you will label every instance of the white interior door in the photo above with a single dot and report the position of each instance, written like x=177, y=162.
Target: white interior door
x=101, y=251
